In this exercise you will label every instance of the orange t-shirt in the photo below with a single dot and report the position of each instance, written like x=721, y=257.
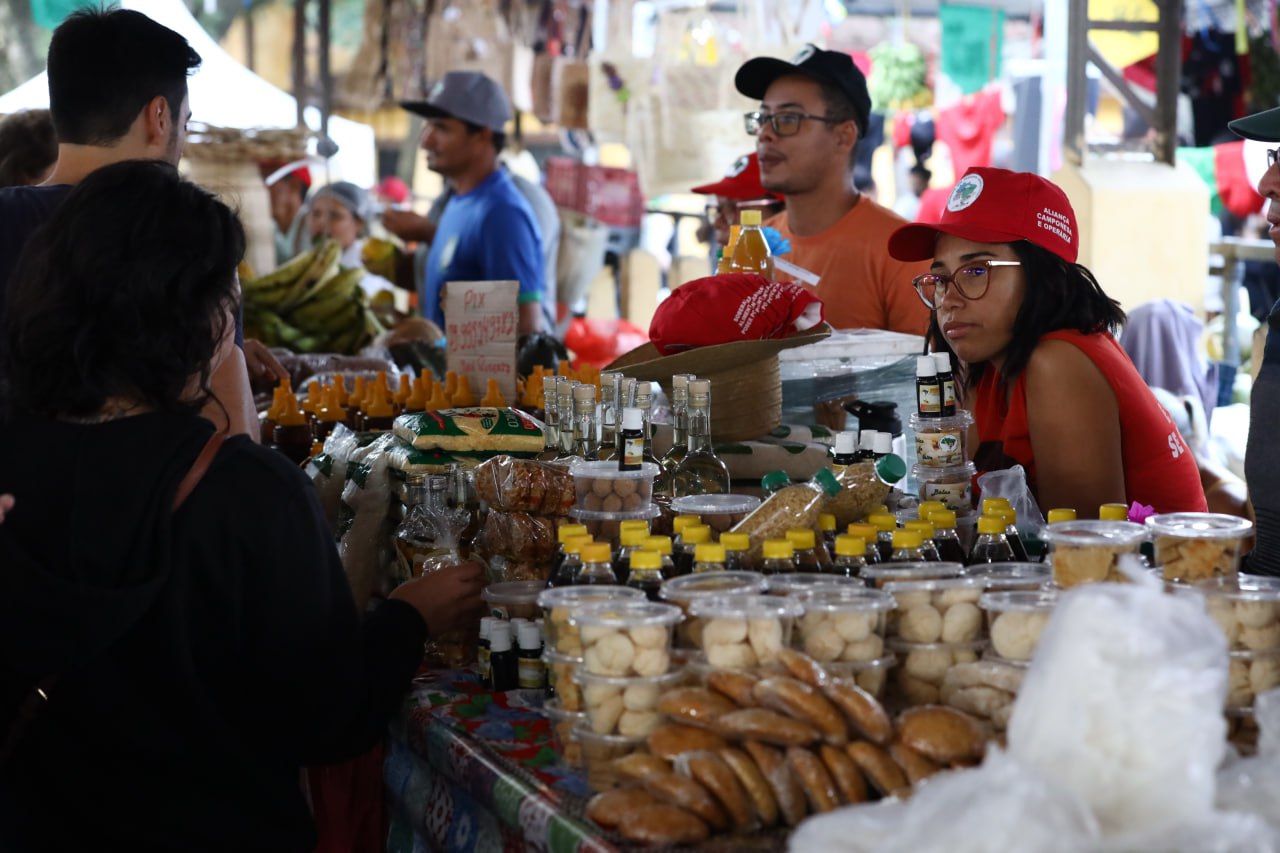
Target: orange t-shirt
x=861, y=286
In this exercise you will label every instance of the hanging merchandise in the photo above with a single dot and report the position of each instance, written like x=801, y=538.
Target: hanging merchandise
x=969, y=127
x=972, y=46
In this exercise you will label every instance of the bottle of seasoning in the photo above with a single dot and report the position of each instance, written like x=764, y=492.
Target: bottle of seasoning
x=1113, y=512
x=827, y=527
x=885, y=525
x=566, y=574
x=661, y=545
x=632, y=440
x=928, y=389
x=751, y=254
x=267, y=429
x=1010, y=516
x=355, y=410
x=586, y=438
x=849, y=560
x=630, y=540
x=1056, y=515
x=292, y=435
x=379, y=415
x=329, y=415
x=869, y=534
x=504, y=665
x=944, y=536
x=773, y=482
x=805, y=552
x=644, y=572
x=691, y=537
x=725, y=263
x=597, y=569
x=736, y=546
x=991, y=546
x=779, y=557
x=866, y=445
x=906, y=547
x=883, y=445
x=947, y=382
x=846, y=449
x=531, y=672
x=709, y=557
x=482, y=648
x=927, y=546
x=701, y=471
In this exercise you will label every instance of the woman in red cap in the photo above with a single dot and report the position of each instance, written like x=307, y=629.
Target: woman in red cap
x=1032, y=331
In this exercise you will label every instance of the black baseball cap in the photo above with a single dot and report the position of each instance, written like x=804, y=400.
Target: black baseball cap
x=826, y=66
x=1263, y=126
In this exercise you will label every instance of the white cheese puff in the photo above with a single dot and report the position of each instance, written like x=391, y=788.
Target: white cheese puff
x=1264, y=674
x=730, y=655
x=961, y=623
x=650, y=636
x=604, y=717
x=917, y=692
x=1223, y=613
x=864, y=650
x=598, y=694
x=964, y=656
x=964, y=595
x=812, y=621
x=853, y=627
x=911, y=598
x=612, y=655
x=1255, y=614
x=871, y=680
x=823, y=644
x=983, y=701
x=928, y=664
x=765, y=636
x=594, y=633
x=651, y=661
x=922, y=624
x=724, y=631
x=638, y=723
x=1014, y=635
x=642, y=696
x=1239, y=693
x=1261, y=639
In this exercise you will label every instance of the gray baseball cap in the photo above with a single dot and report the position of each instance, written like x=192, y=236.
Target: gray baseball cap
x=467, y=95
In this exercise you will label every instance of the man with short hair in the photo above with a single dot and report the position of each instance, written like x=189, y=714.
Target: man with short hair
x=118, y=91
x=813, y=110
x=487, y=231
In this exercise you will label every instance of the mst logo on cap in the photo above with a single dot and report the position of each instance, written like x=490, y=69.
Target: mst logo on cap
x=965, y=193
x=739, y=166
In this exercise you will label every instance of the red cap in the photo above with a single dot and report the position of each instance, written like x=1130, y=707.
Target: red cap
x=742, y=181
x=393, y=189
x=997, y=206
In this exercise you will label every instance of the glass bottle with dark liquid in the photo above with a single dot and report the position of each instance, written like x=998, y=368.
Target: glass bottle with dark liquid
x=597, y=568
x=645, y=573
x=944, y=536
x=567, y=573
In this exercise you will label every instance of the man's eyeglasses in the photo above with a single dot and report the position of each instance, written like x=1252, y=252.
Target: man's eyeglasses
x=783, y=124
x=1273, y=155
x=971, y=281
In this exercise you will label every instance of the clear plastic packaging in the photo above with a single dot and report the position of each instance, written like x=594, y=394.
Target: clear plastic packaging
x=1089, y=551
x=562, y=725
x=1193, y=546
x=513, y=599
x=607, y=526
x=792, y=506
x=799, y=583
x=683, y=591
x=601, y=487
x=559, y=604
x=1012, y=577
x=953, y=486
x=936, y=611
x=941, y=442
x=598, y=753
x=1246, y=608
x=883, y=573
x=1250, y=674
x=922, y=668
x=986, y=688
x=518, y=536
x=626, y=638
x=719, y=512
x=560, y=672
x=1015, y=621
x=742, y=631
x=871, y=675
x=525, y=485
x=624, y=706
x=863, y=486
x=842, y=625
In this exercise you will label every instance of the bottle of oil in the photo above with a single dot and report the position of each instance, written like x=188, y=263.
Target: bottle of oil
x=504, y=663
x=644, y=572
x=947, y=382
x=751, y=254
x=596, y=567
x=701, y=472
x=906, y=547
x=944, y=536
x=805, y=544
x=709, y=557
x=928, y=390
x=991, y=546
x=779, y=557
x=632, y=440
x=849, y=560
x=736, y=546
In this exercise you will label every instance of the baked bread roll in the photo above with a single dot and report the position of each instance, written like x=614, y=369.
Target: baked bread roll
x=786, y=788
x=754, y=783
x=696, y=706
x=675, y=739
x=846, y=775
x=709, y=769
x=768, y=726
x=803, y=667
x=662, y=825
x=639, y=766
x=803, y=702
x=863, y=711
x=819, y=788
x=916, y=766
x=734, y=684
x=885, y=776
x=608, y=809
x=945, y=735
x=680, y=790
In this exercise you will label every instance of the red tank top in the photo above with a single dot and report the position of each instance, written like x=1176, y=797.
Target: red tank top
x=1159, y=470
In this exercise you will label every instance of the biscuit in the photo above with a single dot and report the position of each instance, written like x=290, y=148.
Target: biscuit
x=687, y=794
x=733, y=684
x=819, y=788
x=696, y=706
x=768, y=726
x=674, y=739
x=609, y=808
x=863, y=711
x=846, y=775
x=945, y=735
x=916, y=766
x=884, y=774
x=786, y=788
x=710, y=770
x=803, y=702
x=754, y=783
x=662, y=824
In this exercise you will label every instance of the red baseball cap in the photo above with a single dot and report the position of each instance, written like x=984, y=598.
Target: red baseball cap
x=742, y=181
x=997, y=206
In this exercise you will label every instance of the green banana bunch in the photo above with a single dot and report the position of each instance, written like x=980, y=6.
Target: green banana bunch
x=285, y=275
x=330, y=316
x=322, y=267
x=339, y=287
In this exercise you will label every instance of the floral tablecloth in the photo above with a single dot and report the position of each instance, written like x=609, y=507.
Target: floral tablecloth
x=468, y=770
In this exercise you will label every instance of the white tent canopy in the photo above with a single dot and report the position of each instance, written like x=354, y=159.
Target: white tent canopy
x=226, y=94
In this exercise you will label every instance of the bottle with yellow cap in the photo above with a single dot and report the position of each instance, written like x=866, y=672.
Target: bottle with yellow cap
x=680, y=522
x=1113, y=512
x=991, y=546
x=380, y=412
x=292, y=434
x=868, y=533
x=945, y=537
x=805, y=545
x=906, y=546
x=885, y=524
x=597, y=569
x=725, y=264
x=1060, y=514
x=736, y=548
x=1010, y=516
x=924, y=508
x=751, y=254
x=779, y=557
x=662, y=545
x=708, y=557
x=630, y=540
x=568, y=559
x=644, y=572
x=849, y=560
x=927, y=546
x=990, y=505
x=827, y=527
x=329, y=415
x=690, y=538
x=267, y=428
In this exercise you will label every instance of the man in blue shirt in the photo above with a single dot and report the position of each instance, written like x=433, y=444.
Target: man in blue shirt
x=487, y=232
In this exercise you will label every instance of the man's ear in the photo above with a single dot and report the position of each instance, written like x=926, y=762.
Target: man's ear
x=850, y=128
x=157, y=121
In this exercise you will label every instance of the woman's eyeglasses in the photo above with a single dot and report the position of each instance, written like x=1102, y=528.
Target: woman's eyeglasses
x=971, y=281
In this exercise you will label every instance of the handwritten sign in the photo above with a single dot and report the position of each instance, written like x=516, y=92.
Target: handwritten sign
x=481, y=321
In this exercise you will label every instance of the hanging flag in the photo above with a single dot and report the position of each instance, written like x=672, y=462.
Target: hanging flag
x=1120, y=48
x=972, y=44
x=50, y=13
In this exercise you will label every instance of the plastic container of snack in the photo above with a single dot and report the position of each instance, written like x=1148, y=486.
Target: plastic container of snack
x=1246, y=608
x=936, y=611
x=601, y=487
x=941, y=442
x=917, y=677
x=624, y=706
x=1012, y=577
x=682, y=591
x=952, y=485
x=842, y=625
x=626, y=638
x=799, y=583
x=1250, y=673
x=562, y=725
x=1015, y=621
x=607, y=526
x=559, y=603
x=1193, y=546
x=1088, y=551
x=882, y=573
x=513, y=599
x=598, y=752
x=560, y=672
x=719, y=512
x=871, y=676
x=742, y=631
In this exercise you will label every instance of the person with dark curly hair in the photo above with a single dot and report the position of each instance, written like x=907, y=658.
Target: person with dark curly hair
x=189, y=659
x=1031, y=334
x=28, y=148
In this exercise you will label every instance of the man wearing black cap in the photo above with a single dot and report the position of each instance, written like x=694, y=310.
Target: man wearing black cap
x=813, y=110
x=487, y=231
x=1262, y=453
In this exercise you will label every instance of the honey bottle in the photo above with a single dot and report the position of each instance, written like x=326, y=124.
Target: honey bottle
x=292, y=435
x=751, y=254
x=492, y=396
x=329, y=415
x=268, y=426
x=403, y=393
x=379, y=414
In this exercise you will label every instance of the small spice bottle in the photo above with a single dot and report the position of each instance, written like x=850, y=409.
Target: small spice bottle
x=482, y=648
x=503, y=661
x=531, y=672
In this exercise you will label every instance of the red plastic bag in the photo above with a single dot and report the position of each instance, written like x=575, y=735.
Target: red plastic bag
x=599, y=342
x=721, y=309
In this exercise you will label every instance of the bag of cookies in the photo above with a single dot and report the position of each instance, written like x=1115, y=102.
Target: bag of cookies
x=519, y=536
x=507, y=484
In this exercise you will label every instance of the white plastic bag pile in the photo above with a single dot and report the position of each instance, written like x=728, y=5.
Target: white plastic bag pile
x=1114, y=745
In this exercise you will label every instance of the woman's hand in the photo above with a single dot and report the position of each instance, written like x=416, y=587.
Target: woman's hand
x=447, y=599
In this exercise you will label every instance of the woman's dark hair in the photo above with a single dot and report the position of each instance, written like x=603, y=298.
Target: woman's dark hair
x=122, y=293
x=28, y=148
x=1059, y=295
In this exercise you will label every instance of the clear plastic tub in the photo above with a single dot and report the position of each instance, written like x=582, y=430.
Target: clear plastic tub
x=953, y=485
x=1251, y=673
x=601, y=487
x=560, y=672
x=941, y=442
x=682, y=591
x=871, y=676
x=513, y=599
x=1193, y=546
x=624, y=706
x=936, y=611
x=1015, y=621
x=987, y=688
x=626, y=638
x=558, y=605
x=719, y=512
x=799, y=583
x=843, y=625
x=1246, y=608
x=607, y=526
x=882, y=573
x=922, y=667
x=598, y=753
x=1089, y=551
x=562, y=725
x=741, y=631
x=1012, y=577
